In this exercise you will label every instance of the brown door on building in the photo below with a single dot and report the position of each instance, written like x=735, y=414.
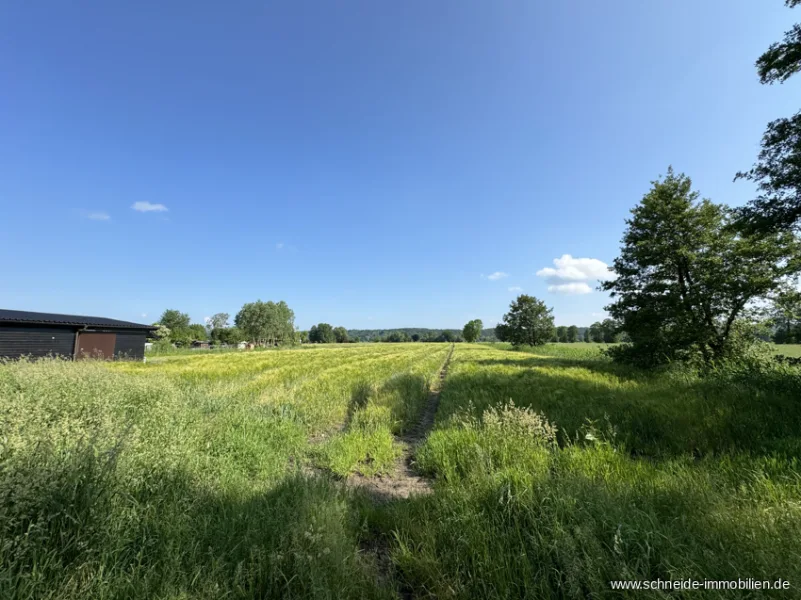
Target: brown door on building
x=96, y=345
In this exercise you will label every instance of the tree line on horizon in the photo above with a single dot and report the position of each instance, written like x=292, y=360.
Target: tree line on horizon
x=270, y=323
x=409, y=334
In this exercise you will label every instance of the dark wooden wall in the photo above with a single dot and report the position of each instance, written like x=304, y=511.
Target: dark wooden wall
x=18, y=341
x=36, y=341
x=130, y=344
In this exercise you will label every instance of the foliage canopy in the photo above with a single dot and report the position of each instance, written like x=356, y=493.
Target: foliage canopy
x=685, y=275
x=472, y=330
x=528, y=322
x=266, y=322
x=322, y=333
x=777, y=171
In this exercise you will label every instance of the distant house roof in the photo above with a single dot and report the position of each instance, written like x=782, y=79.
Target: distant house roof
x=34, y=318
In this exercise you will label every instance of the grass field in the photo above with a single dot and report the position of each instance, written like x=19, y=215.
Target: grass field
x=581, y=348
x=554, y=470
x=793, y=350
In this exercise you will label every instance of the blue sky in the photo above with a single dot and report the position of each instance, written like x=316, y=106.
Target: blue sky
x=374, y=164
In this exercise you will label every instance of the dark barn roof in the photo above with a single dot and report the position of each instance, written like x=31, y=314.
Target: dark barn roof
x=21, y=317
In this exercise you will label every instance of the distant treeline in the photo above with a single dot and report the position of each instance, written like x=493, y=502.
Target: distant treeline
x=272, y=324
x=416, y=334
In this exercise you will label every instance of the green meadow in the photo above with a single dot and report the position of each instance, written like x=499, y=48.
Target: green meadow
x=553, y=472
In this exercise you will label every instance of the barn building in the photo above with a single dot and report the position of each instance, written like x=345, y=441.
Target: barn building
x=41, y=334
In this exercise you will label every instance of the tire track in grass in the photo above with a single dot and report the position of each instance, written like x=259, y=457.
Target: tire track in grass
x=353, y=372
x=402, y=483
x=398, y=361
x=404, y=480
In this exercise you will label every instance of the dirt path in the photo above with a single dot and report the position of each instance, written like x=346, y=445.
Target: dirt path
x=404, y=481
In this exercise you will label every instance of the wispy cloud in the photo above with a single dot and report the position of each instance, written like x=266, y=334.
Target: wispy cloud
x=497, y=275
x=144, y=315
x=98, y=216
x=279, y=246
x=571, y=275
x=148, y=207
x=515, y=288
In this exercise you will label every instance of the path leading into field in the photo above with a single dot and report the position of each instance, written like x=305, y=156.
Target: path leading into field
x=404, y=480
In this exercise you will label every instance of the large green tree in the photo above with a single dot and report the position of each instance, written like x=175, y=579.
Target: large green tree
x=528, y=322
x=177, y=323
x=561, y=334
x=322, y=333
x=777, y=171
x=227, y=335
x=174, y=319
x=198, y=332
x=596, y=331
x=341, y=335
x=610, y=331
x=472, y=330
x=267, y=322
x=572, y=334
x=684, y=274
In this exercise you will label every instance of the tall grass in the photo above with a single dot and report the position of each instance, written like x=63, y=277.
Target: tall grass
x=555, y=471
x=650, y=478
x=184, y=478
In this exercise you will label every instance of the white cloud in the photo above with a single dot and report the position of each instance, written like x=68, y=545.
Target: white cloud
x=577, y=269
x=572, y=274
x=279, y=246
x=497, y=275
x=148, y=207
x=144, y=315
x=98, y=216
x=515, y=288
x=571, y=289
